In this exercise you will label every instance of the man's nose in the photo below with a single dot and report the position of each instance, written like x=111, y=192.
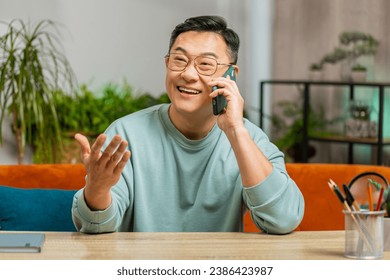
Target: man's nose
x=190, y=73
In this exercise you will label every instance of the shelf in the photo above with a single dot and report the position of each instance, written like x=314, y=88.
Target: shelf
x=378, y=141
x=345, y=139
x=329, y=83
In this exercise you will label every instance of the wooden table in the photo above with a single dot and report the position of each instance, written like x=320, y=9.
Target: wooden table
x=304, y=245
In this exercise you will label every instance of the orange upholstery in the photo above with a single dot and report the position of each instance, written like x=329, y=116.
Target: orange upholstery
x=322, y=210
x=43, y=176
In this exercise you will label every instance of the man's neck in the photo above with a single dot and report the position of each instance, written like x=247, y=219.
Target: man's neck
x=191, y=126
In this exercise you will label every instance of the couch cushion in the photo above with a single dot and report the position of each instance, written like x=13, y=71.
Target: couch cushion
x=36, y=209
x=43, y=176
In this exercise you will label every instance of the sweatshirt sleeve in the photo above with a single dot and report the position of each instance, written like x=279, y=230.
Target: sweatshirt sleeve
x=276, y=204
x=108, y=220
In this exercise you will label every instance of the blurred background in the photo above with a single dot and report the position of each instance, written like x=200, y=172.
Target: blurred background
x=122, y=42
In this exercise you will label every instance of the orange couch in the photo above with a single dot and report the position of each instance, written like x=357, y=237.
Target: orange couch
x=322, y=210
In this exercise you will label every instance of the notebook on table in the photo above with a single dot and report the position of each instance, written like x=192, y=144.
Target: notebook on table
x=21, y=242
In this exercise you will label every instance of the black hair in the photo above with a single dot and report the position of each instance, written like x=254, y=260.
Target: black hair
x=215, y=24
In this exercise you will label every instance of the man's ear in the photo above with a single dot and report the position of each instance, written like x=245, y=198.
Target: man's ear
x=166, y=61
x=236, y=69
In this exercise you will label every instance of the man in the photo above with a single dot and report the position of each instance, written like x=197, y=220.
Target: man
x=189, y=170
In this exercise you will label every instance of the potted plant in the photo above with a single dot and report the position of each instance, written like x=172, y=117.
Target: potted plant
x=316, y=71
x=91, y=113
x=33, y=70
x=358, y=73
x=288, y=125
x=353, y=44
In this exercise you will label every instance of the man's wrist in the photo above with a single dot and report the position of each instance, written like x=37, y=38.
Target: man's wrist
x=97, y=201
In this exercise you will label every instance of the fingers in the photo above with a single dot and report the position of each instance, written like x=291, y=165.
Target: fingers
x=112, y=154
x=84, y=143
x=118, y=154
x=97, y=146
x=121, y=164
x=224, y=85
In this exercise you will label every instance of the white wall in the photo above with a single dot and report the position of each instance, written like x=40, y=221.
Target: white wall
x=111, y=40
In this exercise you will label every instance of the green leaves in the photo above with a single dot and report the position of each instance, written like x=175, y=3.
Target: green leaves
x=353, y=44
x=32, y=69
x=91, y=113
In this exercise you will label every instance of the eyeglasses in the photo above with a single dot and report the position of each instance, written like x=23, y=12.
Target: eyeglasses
x=204, y=65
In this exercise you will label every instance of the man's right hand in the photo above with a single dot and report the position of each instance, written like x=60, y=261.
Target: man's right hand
x=103, y=169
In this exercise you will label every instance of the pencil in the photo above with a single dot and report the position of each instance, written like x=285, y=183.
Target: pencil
x=379, y=202
x=369, y=193
x=337, y=192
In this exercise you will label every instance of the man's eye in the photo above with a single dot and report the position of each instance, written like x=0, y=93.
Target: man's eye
x=180, y=59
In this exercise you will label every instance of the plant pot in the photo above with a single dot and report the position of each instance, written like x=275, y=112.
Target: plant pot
x=359, y=76
x=316, y=75
x=296, y=152
x=387, y=234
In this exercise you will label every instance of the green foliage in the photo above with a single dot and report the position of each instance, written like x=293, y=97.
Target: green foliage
x=359, y=67
x=337, y=55
x=353, y=44
x=91, y=113
x=291, y=123
x=386, y=197
x=32, y=69
x=364, y=43
x=315, y=66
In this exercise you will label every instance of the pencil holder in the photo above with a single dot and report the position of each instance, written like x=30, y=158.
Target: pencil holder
x=364, y=234
x=387, y=234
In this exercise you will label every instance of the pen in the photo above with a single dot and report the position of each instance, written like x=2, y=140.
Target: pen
x=359, y=227
x=339, y=195
x=350, y=199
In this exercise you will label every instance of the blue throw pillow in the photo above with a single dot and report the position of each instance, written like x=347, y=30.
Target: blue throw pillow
x=36, y=209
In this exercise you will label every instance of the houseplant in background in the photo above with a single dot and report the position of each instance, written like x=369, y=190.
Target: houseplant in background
x=90, y=113
x=353, y=45
x=358, y=73
x=33, y=70
x=316, y=72
x=288, y=128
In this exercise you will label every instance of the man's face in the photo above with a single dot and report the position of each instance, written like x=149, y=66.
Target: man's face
x=188, y=90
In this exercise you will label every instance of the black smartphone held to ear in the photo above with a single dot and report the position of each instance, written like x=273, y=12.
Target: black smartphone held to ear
x=219, y=102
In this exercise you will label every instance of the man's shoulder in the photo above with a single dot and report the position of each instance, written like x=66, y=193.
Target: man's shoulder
x=142, y=115
x=138, y=120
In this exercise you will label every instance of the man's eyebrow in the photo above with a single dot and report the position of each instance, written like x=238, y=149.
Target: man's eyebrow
x=203, y=54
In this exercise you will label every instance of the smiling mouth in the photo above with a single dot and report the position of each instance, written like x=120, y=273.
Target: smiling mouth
x=188, y=91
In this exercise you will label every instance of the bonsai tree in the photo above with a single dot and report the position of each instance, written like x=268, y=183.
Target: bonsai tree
x=353, y=44
x=32, y=70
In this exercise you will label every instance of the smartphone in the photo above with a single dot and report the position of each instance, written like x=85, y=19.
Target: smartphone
x=219, y=102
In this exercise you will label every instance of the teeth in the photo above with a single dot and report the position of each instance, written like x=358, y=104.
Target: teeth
x=190, y=91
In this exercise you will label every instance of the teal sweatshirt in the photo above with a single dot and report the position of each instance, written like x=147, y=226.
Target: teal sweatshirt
x=172, y=183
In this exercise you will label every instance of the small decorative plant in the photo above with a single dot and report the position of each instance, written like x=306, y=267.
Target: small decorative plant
x=386, y=197
x=315, y=67
x=289, y=126
x=359, y=68
x=353, y=44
